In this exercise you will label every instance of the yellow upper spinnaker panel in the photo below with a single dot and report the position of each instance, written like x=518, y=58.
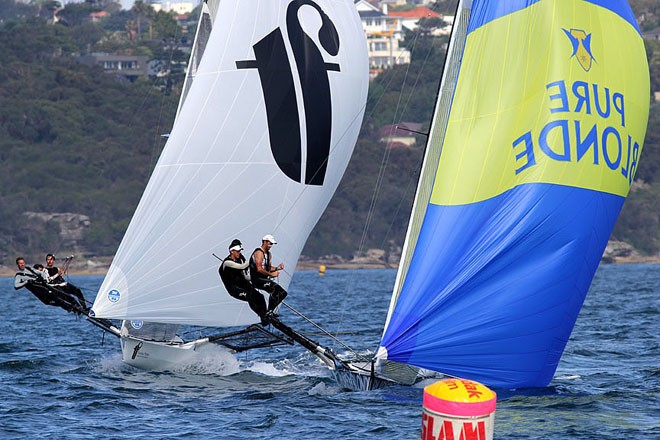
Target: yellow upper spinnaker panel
x=564, y=103
x=544, y=136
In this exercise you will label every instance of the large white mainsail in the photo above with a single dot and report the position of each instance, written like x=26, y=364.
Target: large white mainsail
x=259, y=146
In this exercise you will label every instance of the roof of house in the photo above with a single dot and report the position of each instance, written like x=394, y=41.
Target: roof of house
x=99, y=14
x=372, y=14
x=420, y=12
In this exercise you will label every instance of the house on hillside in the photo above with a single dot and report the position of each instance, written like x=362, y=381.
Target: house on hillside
x=178, y=7
x=410, y=18
x=95, y=17
x=387, y=3
x=384, y=33
x=128, y=66
x=400, y=135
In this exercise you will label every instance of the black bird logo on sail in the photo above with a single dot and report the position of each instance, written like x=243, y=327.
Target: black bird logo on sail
x=272, y=63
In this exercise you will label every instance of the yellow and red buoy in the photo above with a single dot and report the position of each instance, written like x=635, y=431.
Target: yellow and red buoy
x=458, y=409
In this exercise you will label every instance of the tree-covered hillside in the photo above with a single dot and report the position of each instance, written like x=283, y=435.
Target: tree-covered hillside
x=76, y=140
x=72, y=139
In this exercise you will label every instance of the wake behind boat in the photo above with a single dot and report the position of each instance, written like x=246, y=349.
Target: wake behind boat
x=272, y=105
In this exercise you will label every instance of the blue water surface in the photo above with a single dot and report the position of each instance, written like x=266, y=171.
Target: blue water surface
x=60, y=378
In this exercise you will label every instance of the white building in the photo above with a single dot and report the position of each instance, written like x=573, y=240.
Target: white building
x=383, y=36
x=178, y=7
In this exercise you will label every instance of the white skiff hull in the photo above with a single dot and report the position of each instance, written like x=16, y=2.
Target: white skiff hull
x=158, y=356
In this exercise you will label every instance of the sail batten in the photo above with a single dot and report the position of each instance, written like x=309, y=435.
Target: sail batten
x=544, y=136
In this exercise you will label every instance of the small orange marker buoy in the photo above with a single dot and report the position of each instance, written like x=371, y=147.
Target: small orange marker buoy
x=321, y=270
x=456, y=409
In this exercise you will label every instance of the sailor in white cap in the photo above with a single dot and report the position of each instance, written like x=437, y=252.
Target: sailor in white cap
x=236, y=278
x=262, y=273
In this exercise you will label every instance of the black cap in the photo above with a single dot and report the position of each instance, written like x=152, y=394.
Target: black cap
x=235, y=242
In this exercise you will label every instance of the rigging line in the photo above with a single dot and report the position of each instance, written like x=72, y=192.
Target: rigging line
x=387, y=152
x=386, y=155
x=368, y=116
x=330, y=335
x=414, y=86
x=154, y=157
x=332, y=149
x=410, y=180
x=381, y=174
x=391, y=78
x=398, y=208
x=316, y=325
x=398, y=127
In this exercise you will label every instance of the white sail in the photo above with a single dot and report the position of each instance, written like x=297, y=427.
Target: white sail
x=221, y=175
x=209, y=9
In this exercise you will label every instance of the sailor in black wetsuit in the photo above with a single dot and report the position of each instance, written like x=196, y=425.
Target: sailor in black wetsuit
x=56, y=279
x=234, y=274
x=262, y=272
x=36, y=282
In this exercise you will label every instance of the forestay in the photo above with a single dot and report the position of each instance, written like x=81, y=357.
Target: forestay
x=259, y=145
x=542, y=143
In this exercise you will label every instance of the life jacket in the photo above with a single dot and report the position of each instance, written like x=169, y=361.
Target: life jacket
x=254, y=274
x=232, y=277
x=55, y=277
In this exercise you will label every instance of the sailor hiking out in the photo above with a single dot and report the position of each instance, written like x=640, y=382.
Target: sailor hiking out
x=236, y=278
x=36, y=281
x=262, y=273
x=56, y=279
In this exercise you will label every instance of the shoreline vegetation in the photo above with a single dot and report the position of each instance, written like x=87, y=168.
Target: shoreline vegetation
x=615, y=253
x=84, y=204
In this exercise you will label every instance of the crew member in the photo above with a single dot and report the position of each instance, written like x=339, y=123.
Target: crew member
x=236, y=278
x=56, y=279
x=262, y=272
x=35, y=280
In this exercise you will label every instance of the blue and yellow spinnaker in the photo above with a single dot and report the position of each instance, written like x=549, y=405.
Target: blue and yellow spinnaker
x=544, y=136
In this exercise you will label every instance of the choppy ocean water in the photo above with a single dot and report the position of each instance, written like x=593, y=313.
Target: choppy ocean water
x=59, y=378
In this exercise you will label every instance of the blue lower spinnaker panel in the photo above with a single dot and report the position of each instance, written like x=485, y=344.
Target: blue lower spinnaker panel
x=499, y=306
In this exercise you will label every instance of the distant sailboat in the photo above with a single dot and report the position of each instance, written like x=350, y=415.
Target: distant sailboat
x=270, y=112
x=536, y=137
